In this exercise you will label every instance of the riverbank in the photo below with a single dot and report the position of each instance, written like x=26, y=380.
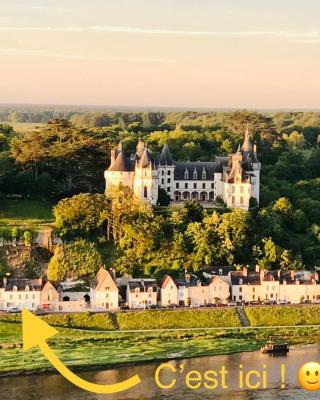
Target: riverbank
x=90, y=350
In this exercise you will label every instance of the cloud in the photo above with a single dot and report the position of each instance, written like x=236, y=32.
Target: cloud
x=44, y=53
x=305, y=37
x=53, y=9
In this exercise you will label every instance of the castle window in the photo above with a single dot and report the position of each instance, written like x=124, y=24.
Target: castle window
x=186, y=185
x=203, y=186
x=169, y=180
x=162, y=181
x=162, y=172
x=212, y=185
x=168, y=189
x=194, y=186
x=195, y=175
x=145, y=192
x=169, y=172
x=204, y=175
x=177, y=185
x=186, y=174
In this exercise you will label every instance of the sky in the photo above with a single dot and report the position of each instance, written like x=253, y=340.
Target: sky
x=171, y=53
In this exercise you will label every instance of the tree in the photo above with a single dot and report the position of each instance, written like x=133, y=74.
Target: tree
x=74, y=260
x=83, y=215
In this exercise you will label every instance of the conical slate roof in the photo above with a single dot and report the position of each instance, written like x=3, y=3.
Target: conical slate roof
x=120, y=163
x=165, y=156
x=145, y=159
x=247, y=146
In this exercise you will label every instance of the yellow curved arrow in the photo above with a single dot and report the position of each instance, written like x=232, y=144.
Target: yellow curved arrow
x=36, y=332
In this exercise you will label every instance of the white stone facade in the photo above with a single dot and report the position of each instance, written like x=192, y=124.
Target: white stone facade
x=234, y=179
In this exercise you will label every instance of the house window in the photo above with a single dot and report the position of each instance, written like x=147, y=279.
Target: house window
x=240, y=289
x=253, y=290
x=162, y=172
x=203, y=186
x=233, y=189
x=233, y=200
x=177, y=185
x=241, y=200
x=169, y=172
x=195, y=186
x=168, y=189
x=169, y=180
x=145, y=192
x=241, y=189
x=212, y=185
x=186, y=185
x=162, y=181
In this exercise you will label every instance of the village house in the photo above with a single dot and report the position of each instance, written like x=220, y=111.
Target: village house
x=274, y=286
x=193, y=292
x=142, y=293
x=21, y=293
x=104, y=293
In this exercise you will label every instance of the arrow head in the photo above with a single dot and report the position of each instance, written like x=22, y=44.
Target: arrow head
x=35, y=331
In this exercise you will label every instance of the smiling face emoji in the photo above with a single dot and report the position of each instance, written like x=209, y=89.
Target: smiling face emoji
x=309, y=376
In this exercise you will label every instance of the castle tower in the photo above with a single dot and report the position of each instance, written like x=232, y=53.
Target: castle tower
x=145, y=184
x=166, y=169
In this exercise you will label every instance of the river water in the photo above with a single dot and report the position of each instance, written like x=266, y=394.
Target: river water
x=55, y=387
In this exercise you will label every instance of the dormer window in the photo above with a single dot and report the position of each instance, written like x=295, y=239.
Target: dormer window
x=14, y=288
x=27, y=288
x=137, y=290
x=240, y=281
x=186, y=174
x=150, y=289
x=204, y=175
x=195, y=174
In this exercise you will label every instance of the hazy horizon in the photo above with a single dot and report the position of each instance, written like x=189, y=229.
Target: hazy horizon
x=183, y=54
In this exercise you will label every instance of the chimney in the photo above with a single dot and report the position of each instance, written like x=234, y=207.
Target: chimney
x=257, y=268
x=261, y=274
x=113, y=274
x=112, y=156
x=255, y=148
x=245, y=271
x=5, y=282
x=279, y=274
x=187, y=278
x=316, y=276
x=40, y=280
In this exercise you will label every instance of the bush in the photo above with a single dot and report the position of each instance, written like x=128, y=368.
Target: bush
x=169, y=319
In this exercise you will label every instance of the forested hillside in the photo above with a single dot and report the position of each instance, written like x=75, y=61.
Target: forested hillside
x=68, y=156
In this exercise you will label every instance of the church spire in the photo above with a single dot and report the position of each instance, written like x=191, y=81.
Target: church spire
x=247, y=146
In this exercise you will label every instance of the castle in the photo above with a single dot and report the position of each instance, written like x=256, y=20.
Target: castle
x=233, y=179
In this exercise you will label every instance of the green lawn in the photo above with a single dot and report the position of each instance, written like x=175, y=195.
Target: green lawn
x=25, y=212
x=87, y=350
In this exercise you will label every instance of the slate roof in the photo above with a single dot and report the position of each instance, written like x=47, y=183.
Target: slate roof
x=253, y=278
x=34, y=284
x=165, y=156
x=122, y=164
x=143, y=285
x=209, y=167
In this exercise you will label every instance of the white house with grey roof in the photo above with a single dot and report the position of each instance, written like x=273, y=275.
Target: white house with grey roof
x=234, y=179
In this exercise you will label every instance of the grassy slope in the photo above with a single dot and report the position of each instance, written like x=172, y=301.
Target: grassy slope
x=25, y=212
x=24, y=127
x=284, y=315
